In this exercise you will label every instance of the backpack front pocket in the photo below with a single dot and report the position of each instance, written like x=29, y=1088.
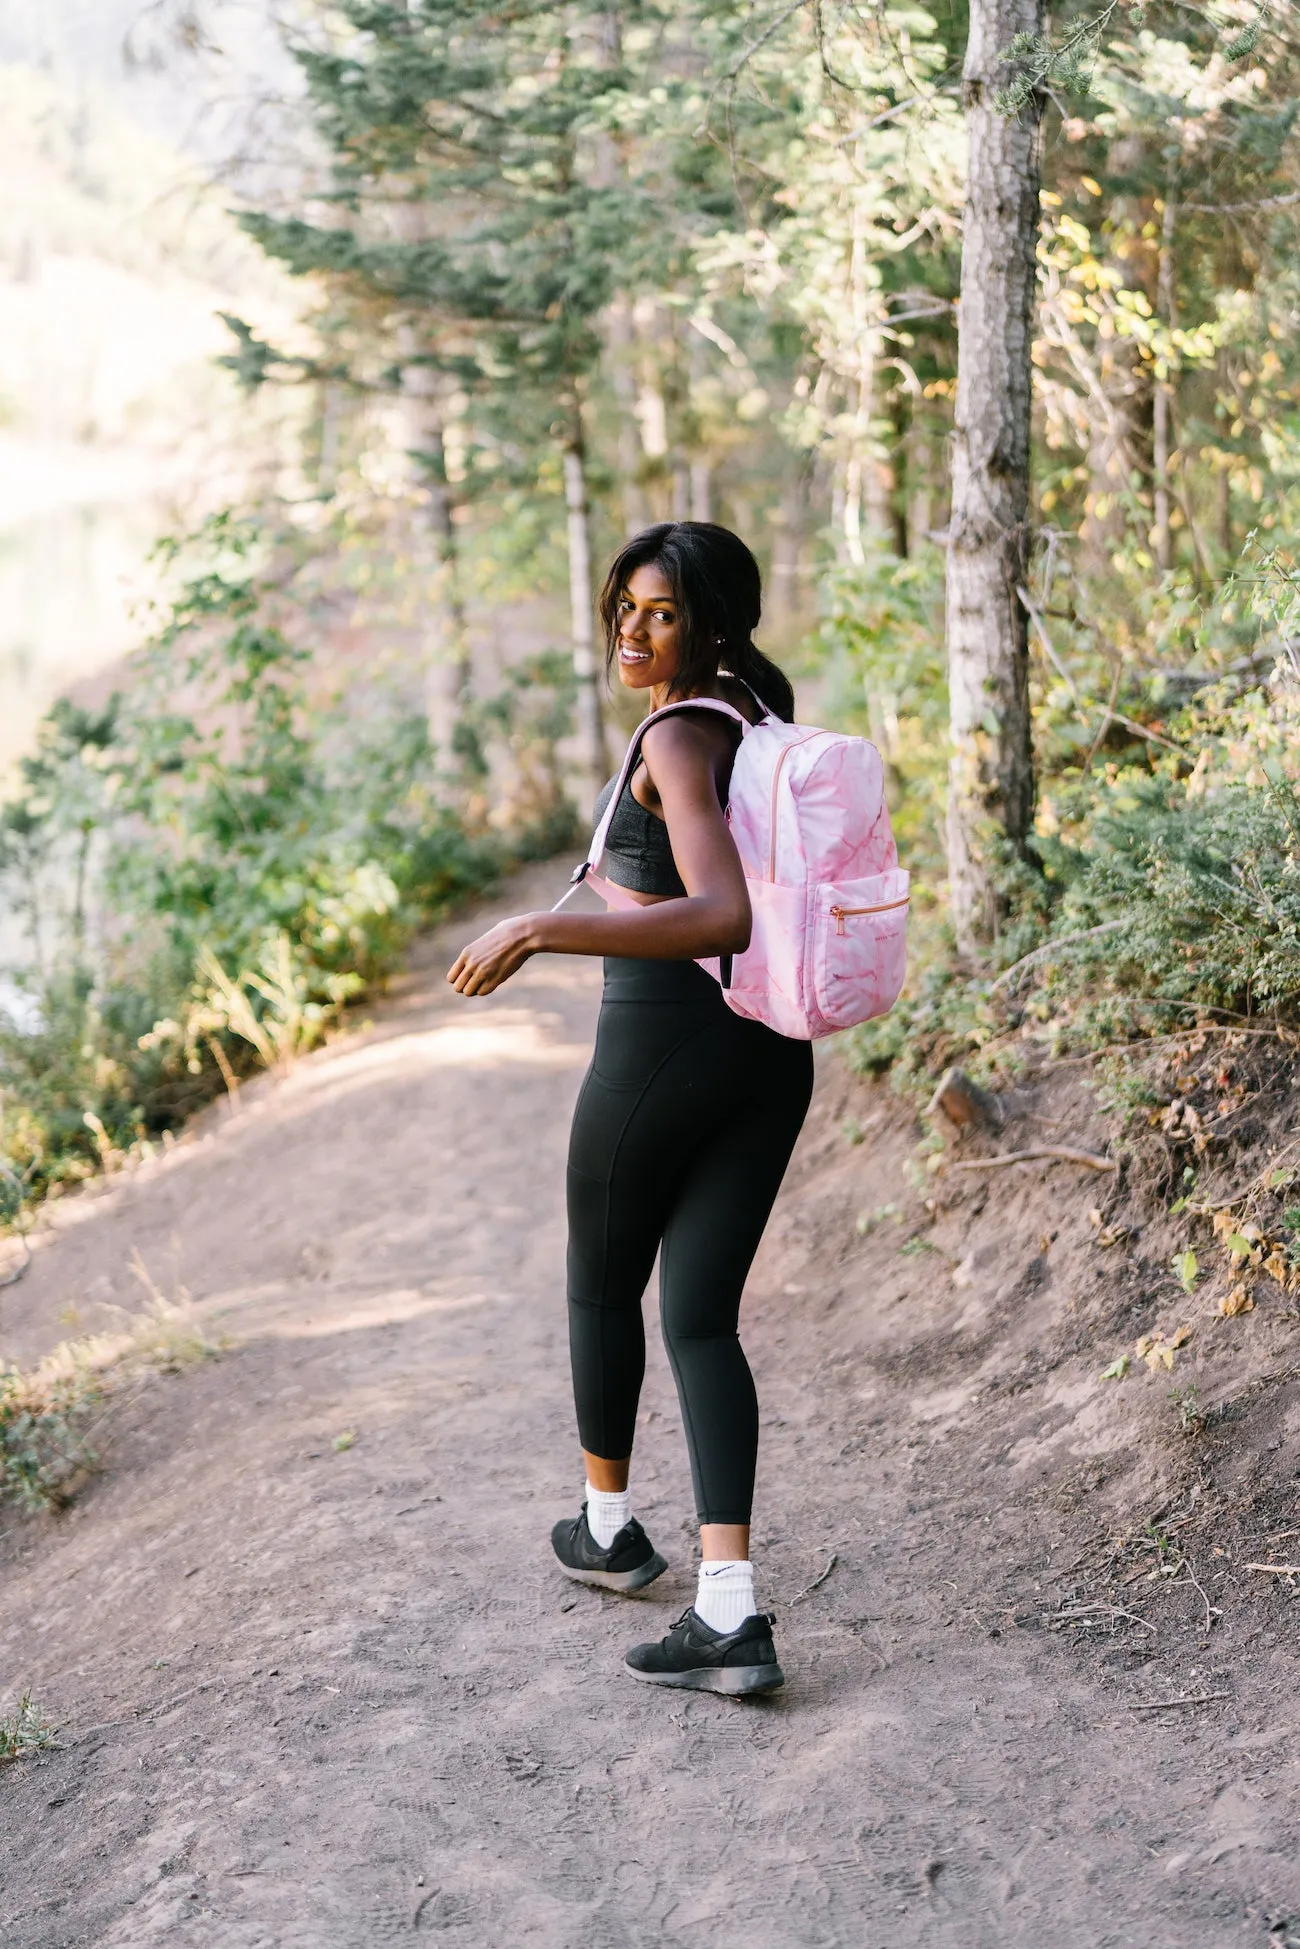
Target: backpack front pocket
x=858, y=948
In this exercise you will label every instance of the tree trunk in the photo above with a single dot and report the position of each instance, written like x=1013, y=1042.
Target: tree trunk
x=991, y=777
x=454, y=674
x=920, y=505
x=622, y=343
x=447, y=668
x=785, y=598
x=1162, y=409
x=1121, y=409
x=701, y=489
x=681, y=486
x=591, y=730
x=900, y=440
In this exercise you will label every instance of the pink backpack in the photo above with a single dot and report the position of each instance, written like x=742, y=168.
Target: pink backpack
x=807, y=812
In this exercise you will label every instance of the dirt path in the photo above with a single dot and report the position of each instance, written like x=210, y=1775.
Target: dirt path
x=338, y=1699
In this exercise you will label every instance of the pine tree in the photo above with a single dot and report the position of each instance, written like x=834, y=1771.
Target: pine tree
x=470, y=193
x=991, y=773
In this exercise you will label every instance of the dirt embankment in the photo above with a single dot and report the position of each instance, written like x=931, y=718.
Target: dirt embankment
x=336, y=1695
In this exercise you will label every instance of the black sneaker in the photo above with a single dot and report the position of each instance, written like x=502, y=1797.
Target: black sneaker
x=701, y=1659
x=630, y=1563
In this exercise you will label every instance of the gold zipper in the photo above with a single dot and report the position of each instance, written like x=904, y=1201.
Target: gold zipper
x=841, y=914
x=786, y=749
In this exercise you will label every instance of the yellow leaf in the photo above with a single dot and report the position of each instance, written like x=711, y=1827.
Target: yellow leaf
x=1235, y=1302
x=1276, y=1266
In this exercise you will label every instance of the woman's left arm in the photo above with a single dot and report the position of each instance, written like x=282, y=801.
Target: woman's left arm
x=712, y=918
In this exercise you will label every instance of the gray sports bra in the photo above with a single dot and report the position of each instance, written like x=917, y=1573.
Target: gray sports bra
x=638, y=852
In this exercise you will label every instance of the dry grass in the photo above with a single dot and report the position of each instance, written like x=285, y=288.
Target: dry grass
x=52, y=1414
x=25, y=1731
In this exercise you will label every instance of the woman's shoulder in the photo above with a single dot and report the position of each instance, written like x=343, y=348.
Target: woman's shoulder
x=687, y=733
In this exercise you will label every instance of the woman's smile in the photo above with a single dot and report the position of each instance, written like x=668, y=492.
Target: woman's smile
x=649, y=631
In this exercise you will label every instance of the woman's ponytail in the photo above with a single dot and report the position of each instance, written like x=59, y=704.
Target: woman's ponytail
x=764, y=678
x=719, y=597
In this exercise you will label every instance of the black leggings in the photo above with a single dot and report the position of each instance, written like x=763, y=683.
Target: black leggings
x=681, y=1137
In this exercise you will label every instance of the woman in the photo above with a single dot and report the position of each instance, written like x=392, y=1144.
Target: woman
x=688, y=1114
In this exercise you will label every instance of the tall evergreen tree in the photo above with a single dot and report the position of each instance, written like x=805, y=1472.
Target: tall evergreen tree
x=991, y=776
x=469, y=190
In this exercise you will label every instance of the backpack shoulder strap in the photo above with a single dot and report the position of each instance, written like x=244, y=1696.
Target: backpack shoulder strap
x=764, y=712
x=596, y=852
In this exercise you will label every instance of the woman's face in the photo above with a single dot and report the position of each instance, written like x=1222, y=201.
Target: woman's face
x=648, y=631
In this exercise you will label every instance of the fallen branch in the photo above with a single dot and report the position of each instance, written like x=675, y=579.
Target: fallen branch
x=817, y=1582
x=1085, y=1611
x=1165, y=1705
x=1275, y=1569
x=1222, y=1204
x=1052, y=1153
x=1045, y=948
x=1211, y=1611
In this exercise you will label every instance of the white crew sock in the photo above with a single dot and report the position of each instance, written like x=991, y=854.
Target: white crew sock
x=607, y=1514
x=726, y=1594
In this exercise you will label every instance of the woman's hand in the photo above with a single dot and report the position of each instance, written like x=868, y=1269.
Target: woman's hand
x=495, y=956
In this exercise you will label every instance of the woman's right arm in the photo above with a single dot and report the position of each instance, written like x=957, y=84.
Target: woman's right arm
x=712, y=918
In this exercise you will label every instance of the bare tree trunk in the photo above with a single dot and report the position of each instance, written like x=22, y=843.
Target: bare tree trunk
x=447, y=678
x=785, y=598
x=701, y=490
x=591, y=730
x=877, y=475
x=991, y=776
x=920, y=502
x=681, y=480
x=900, y=439
x=851, y=502
x=622, y=341
x=1163, y=403
x=1121, y=403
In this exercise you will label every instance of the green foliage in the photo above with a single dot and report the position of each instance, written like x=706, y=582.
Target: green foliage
x=25, y=1731
x=42, y=1440
x=1068, y=64
x=1186, y=1269
x=210, y=871
x=1205, y=894
x=880, y=648
x=46, y=1412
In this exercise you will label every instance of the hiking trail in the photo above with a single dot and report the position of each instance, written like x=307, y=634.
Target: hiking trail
x=320, y=1685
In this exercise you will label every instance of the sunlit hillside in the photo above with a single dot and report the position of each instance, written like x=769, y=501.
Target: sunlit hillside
x=116, y=257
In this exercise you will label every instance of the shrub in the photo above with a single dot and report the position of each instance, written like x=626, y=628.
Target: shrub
x=46, y=1413
x=25, y=1731
x=211, y=869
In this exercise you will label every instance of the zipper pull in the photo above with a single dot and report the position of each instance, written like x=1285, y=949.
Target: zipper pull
x=838, y=916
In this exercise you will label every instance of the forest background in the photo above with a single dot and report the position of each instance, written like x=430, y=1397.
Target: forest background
x=561, y=270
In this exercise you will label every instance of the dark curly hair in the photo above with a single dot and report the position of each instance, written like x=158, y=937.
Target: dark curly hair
x=718, y=593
